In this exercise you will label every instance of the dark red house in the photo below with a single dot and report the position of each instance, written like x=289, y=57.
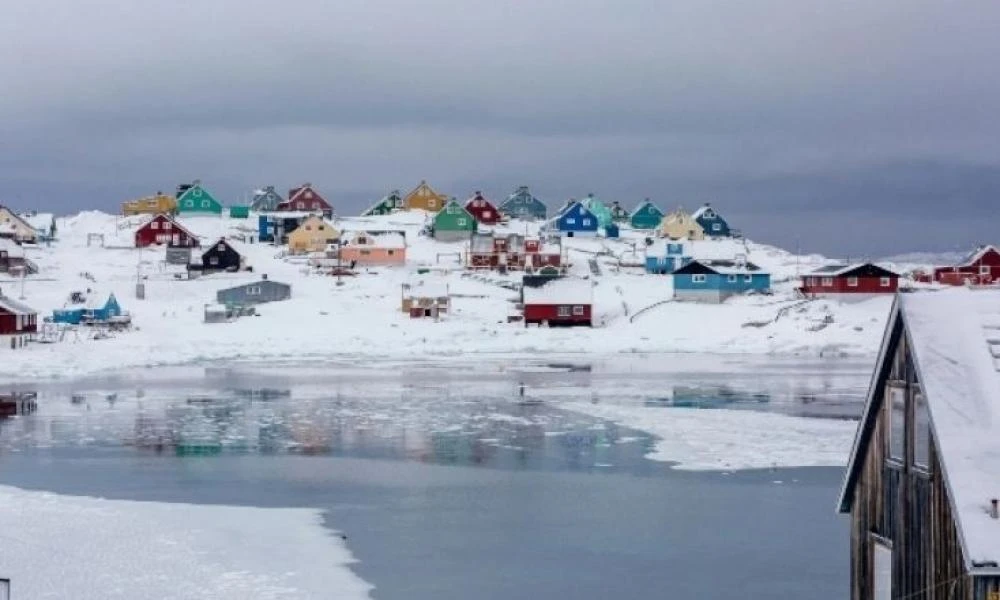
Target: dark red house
x=163, y=230
x=482, y=209
x=861, y=278
x=982, y=267
x=513, y=252
x=18, y=323
x=305, y=198
x=557, y=301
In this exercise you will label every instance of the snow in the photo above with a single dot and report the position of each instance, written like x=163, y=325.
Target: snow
x=12, y=248
x=560, y=291
x=955, y=336
x=721, y=439
x=54, y=546
x=39, y=221
x=360, y=319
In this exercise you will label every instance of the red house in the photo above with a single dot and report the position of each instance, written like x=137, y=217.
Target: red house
x=512, y=252
x=557, y=301
x=161, y=229
x=305, y=198
x=982, y=267
x=18, y=323
x=862, y=278
x=482, y=209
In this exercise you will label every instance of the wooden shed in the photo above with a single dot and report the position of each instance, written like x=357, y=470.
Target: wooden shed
x=557, y=301
x=860, y=280
x=256, y=292
x=18, y=323
x=923, y=480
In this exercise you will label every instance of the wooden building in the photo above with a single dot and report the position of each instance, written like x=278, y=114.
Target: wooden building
x=982, y=267
x=313, y=235
x=923, y=480
x=424, y=197
x=13, y=260
x=714, y=281
x=158, y=203
x=645, y=216
x=388, y=204
x=222, y=256
x=425, y=298
x=362, y=248
x=18, y=323
x=523, y=205
x=858, y=280
x=257, y=292
x=513, y=252
x=680, y=225
x=305, y=198
x=557, y=301
x=265, y=199
x=453, y=223
x=193, y=198
x=14, y=227
x=712, y=222
x=574, y=220
x=164, y=230
x=485, y=212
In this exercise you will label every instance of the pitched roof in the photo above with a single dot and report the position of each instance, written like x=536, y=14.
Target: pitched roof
x=425, y=288
x=721, y=267
x=15, y=307
x=978, y=253
x=12, y=248
x=954, y=336
x=15, y=219
x=560, y=290
x=698, y=213
x=39, y=221
x=381, y=240
x=642, y=205
x=837, y=270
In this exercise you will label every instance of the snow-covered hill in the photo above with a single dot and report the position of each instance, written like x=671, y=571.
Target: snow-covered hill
x=360, y=320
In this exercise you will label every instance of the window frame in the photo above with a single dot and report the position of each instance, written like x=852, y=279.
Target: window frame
x=578, y=310
x=564, y=311
x=852, y=282
x=826, y=281
x=885, y=281
x=698, y=278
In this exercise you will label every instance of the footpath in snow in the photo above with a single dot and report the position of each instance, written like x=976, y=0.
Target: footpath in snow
x=54, y=546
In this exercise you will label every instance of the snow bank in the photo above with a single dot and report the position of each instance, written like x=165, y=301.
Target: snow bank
x=54, y=546
x=719, y=439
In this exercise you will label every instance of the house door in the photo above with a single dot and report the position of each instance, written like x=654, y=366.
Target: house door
x=176, y=239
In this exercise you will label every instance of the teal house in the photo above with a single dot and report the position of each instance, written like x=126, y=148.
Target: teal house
x=599, y=210
x=713, y=281
x=665, y=260
x=712, y=222
x=646, y=216
x=453, y=223
x=389, y=204
x=94, y=311
x=194, y=199
x=522, y=205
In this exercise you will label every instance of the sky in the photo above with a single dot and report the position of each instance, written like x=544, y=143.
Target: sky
x=850, y=128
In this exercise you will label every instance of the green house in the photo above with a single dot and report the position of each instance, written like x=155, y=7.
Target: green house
x=194, y=199
x=387, y=205
x=239, y=212
x=453, y=223
x=599, y=210
x=646, y=216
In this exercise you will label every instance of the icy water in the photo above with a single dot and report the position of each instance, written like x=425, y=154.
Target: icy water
x=466, y=480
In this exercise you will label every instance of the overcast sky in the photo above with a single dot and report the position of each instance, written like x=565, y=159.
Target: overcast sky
x=852, y=128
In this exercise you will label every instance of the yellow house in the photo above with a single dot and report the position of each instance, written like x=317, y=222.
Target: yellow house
x=159, y=203
x=423, y=196
x=14, y=227
x=312, y=235
x=679, y=224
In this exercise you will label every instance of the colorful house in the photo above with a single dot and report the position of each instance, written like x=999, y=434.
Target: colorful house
x=645, y=216
x=163, y=230
x=94, y=310
x=512, y=252
x=275, y=227
x=18, y=323
x=711, y=222
x=194, y=199
x=453, y=223
x=557, y=301
x=714, y=281
x=14, y=227
x=387, y=205
x=679, y=225
x=982, y=267
x=599, y=210
x=362, y=248
x=265, y=199
x=522, y=205
x=670, y=257
x=923, y=480
x=313, y=235
x=423, y=197
x=425, y=298
x=574, y=220
x=618, y=213
x=222, y=256
x=305, y=198
x=857, y=281
x=156, y=204
x=482, y=209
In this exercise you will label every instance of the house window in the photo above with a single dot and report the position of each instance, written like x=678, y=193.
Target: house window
x=748, y=278
x=300, y=205
x=431, y=203
x=586, y=222
x=881, y=571
x=827, y=281
x=921, y=432
x=214, y=260
x=852, y=282
x=154, y=225
x=895, y=396
x=487, y=214
x=315, y=205
x=221, y=247
x=253, y=290
x=697, y=279
x=716, y=227
x=205, y=204
x=460, y=221
x=984, y=269
x=452, y=209
x=392, y=253
x=168, y=225
x=365, y=252
x=731, y=278
x=563, y=311
x=578, y=311
x=308, y=194
x=884, y=282
x=571, y=221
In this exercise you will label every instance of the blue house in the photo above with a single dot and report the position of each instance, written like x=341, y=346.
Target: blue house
x=715, y=280
x=522, y=205
x=91, y=312
x=712, y=222
x=574, y=221
x=276, y=226
x=666, y=260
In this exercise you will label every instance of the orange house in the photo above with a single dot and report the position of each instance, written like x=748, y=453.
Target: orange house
x=366, y=249
x=424, y=197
